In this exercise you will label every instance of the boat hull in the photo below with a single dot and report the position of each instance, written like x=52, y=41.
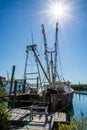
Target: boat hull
x=59, y=102
x=54, y=101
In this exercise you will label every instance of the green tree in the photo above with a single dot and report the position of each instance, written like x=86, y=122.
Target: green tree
x=4, y=116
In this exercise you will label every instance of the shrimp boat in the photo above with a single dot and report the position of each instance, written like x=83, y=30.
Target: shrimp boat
x=48, y=89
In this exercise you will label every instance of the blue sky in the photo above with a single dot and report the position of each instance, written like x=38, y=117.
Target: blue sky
x=18, y=17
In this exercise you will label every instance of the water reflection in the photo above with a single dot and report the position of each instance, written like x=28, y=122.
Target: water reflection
x=78, y=106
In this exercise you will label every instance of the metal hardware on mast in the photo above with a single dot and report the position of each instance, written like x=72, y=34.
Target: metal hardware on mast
x=46, y=52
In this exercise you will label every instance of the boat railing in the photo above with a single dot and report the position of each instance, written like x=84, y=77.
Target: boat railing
x=41, y=110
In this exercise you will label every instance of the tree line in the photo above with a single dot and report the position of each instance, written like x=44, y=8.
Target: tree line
x=79, y=87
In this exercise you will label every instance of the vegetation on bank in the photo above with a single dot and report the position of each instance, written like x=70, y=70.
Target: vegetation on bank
x=4, y=116
x=75, y=125
x=79, y=87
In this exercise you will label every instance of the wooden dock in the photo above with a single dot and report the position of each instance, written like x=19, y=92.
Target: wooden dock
x=19, y=114
x=38, y=121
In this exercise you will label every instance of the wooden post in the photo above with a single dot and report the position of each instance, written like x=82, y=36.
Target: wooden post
x=68, y=118
x=46, y=118
x=1, y=83
x=12, y=77
x=24, y=85
x=37, y=83
x=15, y=88
x=31, y=114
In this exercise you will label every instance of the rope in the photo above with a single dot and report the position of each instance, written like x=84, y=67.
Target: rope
x=64, y=107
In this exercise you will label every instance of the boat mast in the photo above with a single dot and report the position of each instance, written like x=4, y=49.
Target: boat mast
x=46, y=51
x=56, y=49
x=52, y=68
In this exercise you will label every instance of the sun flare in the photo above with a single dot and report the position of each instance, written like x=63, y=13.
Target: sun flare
x=58, y=10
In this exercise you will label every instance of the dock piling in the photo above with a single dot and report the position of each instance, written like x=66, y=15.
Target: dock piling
x=12, y=77
x=15, y=89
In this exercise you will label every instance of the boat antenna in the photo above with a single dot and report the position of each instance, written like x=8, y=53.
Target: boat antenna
x=46, y=51
x=32, y=39
x=7, y=75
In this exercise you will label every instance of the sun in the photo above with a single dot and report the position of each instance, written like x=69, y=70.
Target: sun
x=58, y=10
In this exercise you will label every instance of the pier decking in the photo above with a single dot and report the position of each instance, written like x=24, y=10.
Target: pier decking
x=38, y=121
x=19, y=114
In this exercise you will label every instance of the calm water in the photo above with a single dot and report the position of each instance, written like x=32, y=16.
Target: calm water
x=79, y=104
